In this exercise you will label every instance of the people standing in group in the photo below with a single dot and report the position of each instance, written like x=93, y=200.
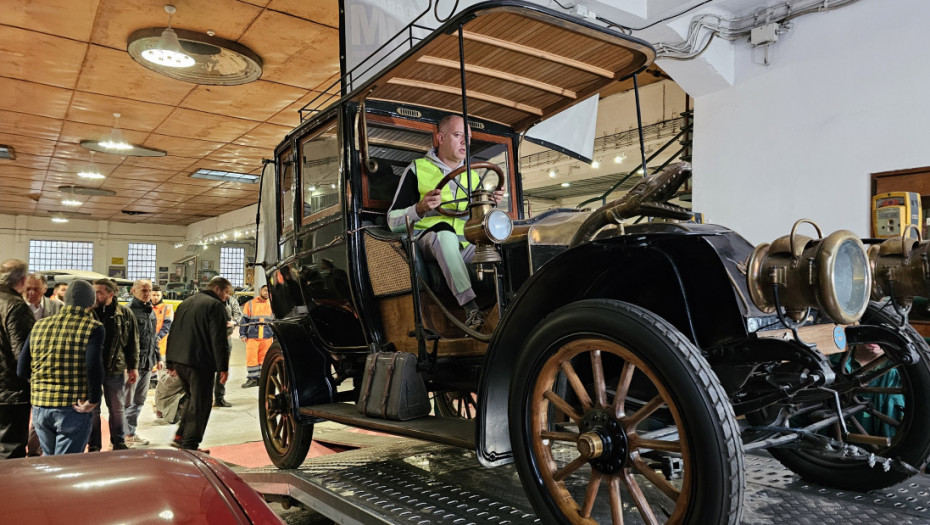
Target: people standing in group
x=41, y=307
x=34, y=294
x=16, y=321
x=149, y=357
x=63, y=360
x=198, y=350
x=233, y=317
x=257, y=335
x=58, y=292
x=120, y=362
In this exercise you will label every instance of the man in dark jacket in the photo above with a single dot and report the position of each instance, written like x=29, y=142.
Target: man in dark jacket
x=197, y=349
x=120, y=362
x=16, y=322
x=146, y=321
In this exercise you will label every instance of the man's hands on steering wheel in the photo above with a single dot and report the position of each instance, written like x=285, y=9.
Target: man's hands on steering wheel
x=433, y=199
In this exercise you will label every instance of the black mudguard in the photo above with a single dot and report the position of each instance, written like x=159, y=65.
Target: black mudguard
x=690, y=276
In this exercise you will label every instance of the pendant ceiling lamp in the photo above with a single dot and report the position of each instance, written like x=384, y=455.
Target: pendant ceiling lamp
x=168, y=52
x=116, y=142
x=92, y=172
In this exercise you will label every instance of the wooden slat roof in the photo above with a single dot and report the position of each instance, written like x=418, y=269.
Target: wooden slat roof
x=522, y=64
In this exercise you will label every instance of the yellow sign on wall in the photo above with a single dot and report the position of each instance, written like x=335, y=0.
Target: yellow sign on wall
x=116, y=260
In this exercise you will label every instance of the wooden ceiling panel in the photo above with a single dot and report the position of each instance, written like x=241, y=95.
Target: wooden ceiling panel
x=142, y=173
x=289, y=117
x=182, y=146
x=33, y=164
x=204, y=126
x=295, y=51
x=264, y=136
x=241, y=156
x=45, y=148
x=168, y=162
x=40, y=57
x=29, y=125
x=113, y=72
x=190, y=184
x=254, y=101
x=320, y=11
x=35, y=99
x=91, y=108
x=67, y=18
x=117, y=19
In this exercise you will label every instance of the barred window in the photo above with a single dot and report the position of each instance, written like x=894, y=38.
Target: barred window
x=232, y=265
x=60, y=255
x=141, y=261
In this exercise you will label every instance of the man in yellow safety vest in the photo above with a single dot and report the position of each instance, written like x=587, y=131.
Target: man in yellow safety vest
x=441, y=238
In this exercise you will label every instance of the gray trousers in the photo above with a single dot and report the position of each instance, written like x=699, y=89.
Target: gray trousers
x=443, y=247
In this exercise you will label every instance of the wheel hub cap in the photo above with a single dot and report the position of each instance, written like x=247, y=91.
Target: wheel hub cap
x=602, y=441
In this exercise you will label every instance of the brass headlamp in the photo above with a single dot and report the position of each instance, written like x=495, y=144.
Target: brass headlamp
x=486, y=226
x=900, y=268
x=796, y=273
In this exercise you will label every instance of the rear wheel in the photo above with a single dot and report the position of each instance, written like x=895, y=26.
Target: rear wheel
x=456, y=404
x=892, y=405
x=615, y=418
x=287, y=441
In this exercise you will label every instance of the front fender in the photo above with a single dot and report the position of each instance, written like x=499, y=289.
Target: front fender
x=686, y=279
x=306, y=364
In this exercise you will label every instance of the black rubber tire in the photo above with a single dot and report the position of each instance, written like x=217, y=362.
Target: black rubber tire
x=913, y=445
x=287, y=448
x=707, y=419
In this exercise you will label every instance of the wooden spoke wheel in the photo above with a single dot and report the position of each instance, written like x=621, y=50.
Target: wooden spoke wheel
x=287, y=441
x=618, y=419
x=457, y=404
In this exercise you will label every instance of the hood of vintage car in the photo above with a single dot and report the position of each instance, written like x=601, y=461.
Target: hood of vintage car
x=127, y=487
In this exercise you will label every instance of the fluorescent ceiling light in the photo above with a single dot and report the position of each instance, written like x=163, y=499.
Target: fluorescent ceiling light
x=566, y=184
x=71, y=202
x=59, y=219
x=225, y=176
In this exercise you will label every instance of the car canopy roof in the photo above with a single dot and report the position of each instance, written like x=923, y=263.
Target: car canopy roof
x=523, y=63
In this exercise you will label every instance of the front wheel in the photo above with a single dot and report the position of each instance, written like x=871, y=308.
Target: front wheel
x=287, y=441
x=615, y=418
x=885, y=399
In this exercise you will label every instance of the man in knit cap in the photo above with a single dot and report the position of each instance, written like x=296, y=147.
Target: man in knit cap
x=63, y=360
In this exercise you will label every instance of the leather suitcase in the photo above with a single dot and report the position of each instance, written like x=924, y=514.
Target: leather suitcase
x=392, y=387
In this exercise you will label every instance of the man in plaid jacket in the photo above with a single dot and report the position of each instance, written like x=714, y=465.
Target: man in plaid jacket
x=62, y=357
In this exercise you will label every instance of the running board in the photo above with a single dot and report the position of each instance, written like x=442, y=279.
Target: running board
x=448, y=430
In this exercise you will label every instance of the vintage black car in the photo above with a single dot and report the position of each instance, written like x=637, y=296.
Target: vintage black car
x=625, y=368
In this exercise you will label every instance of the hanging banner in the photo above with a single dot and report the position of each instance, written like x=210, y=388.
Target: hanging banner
x=570, y=132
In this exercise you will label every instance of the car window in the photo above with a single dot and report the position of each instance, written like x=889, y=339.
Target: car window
x=287, y=192
x=319, y=171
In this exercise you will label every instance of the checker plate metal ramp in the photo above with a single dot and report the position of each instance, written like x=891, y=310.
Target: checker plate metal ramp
x=412, y=482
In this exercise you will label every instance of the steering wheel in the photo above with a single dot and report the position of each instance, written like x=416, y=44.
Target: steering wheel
x=453, y=176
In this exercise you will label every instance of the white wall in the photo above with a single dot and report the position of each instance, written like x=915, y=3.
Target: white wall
x=845, y=96
x=111, y=239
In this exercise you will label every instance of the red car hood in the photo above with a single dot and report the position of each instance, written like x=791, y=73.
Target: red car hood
x=127, y=487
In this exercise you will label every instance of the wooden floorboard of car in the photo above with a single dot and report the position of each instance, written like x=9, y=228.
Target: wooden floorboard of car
x=448, y=430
